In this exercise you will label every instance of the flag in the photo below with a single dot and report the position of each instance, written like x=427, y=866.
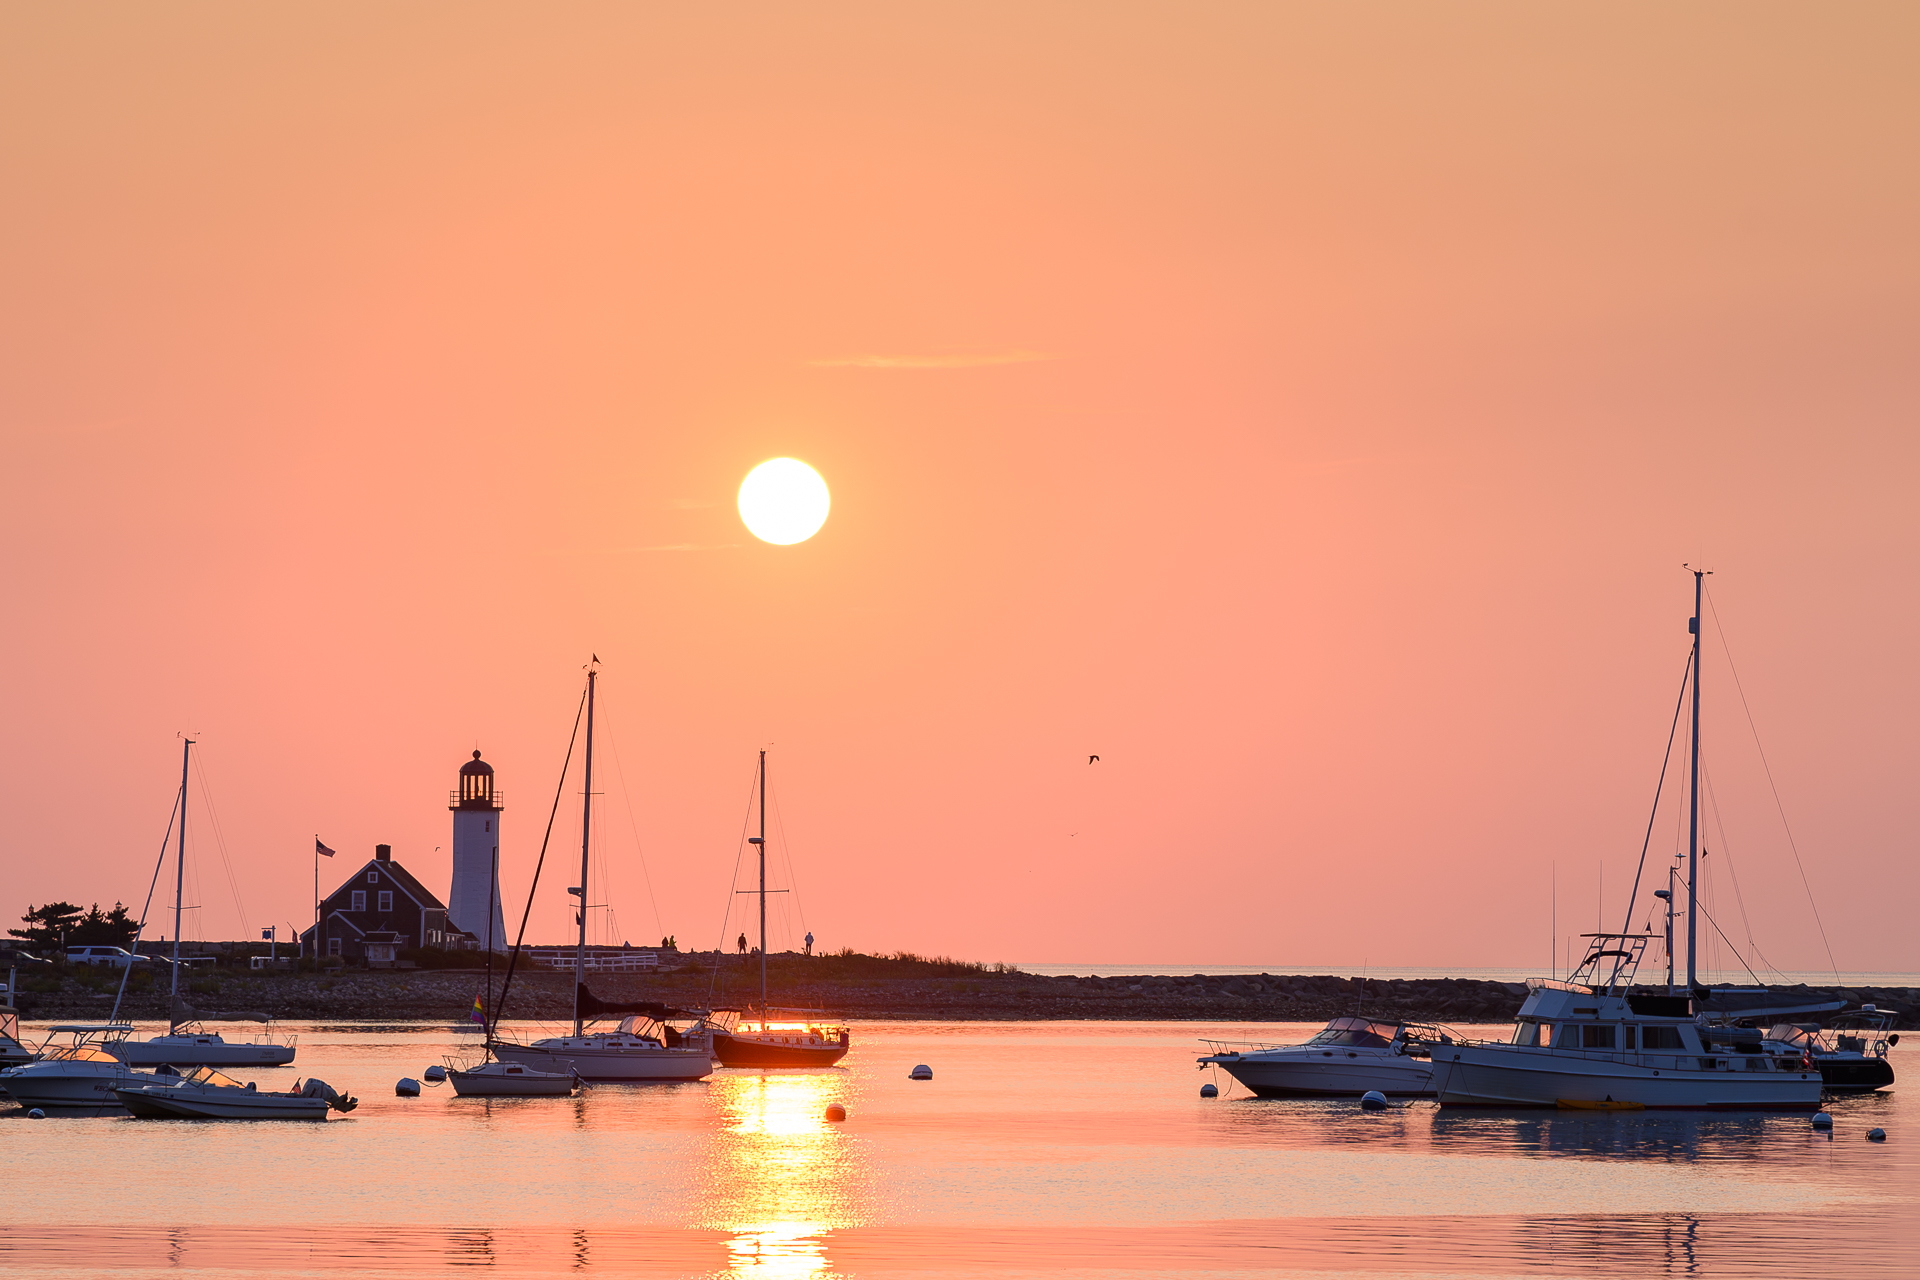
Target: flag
x=479, y=1013
x=321, y=849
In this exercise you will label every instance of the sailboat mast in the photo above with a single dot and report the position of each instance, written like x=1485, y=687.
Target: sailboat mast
x=763, y=889
x=1693, y=798
x=586, y=828
x=179, y=889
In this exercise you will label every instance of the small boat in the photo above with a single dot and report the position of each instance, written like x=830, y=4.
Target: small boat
x=1345, y=1059
x=13, y=1050
x=496, y=1079
x=188, y=1044
x=644, y=1048
x=1850, y=1052
x=81, y=1073
x=206, y=1094
x=763, y=1037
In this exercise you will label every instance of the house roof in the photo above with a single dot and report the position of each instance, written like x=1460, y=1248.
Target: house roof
x=404, y=878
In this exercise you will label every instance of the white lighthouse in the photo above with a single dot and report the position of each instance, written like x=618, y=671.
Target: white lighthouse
x=474, y=902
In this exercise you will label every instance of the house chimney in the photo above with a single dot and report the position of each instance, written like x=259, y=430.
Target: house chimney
x=383, y=853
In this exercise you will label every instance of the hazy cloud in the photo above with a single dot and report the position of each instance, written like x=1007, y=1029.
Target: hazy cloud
x=929, y=362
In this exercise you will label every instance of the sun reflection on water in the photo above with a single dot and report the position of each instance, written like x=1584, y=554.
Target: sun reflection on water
x=779, y=1176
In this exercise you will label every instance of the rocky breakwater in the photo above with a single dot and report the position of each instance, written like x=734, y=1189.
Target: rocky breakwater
x=900, y=987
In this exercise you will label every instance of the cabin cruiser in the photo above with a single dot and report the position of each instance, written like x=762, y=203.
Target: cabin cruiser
x=1850, y=1053
x=206, y=1094
x=1347, y=1058
x=81, y=1073
x=776, y=1038
x=1599, y=1044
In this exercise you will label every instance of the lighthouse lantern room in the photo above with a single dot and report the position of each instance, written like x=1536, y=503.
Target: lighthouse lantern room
x=474, y=902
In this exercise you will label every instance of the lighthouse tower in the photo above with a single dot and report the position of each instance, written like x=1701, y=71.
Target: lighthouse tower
x=476, y=856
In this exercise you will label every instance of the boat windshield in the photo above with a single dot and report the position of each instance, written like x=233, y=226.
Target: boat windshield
x=78, y=1053
x=1359, y=1032
x=207, y=1075
x=1789, y=1033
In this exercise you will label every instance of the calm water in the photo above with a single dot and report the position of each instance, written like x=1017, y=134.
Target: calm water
x=1038, y=1148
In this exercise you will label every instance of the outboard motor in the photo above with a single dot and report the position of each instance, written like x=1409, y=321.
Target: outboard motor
x=321, y=1089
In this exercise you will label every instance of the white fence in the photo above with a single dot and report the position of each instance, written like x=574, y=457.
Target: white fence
x=622, y=961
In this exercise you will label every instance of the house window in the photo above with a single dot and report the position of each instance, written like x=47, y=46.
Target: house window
x=489, y=824
x=386, y=899
x=373, y=877
x=359, y=900
x=333, y=946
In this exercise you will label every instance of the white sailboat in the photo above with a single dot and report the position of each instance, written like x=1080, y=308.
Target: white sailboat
x=645, y=1047
x=186, y=1042
x=1593, y=1042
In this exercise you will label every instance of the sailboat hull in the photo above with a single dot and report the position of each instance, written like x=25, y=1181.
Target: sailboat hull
x=598, y=1064
x=776, y=1050
x=202, y=1051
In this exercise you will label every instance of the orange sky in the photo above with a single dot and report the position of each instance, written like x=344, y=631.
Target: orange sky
x=1307, y=408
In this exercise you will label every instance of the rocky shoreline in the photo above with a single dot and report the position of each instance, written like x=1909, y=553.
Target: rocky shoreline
x=859, y=987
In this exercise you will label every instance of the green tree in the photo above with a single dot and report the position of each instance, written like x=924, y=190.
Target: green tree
x=47, y=925
x=113, y=928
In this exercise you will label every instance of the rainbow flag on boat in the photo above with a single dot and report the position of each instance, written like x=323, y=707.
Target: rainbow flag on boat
x=479, y=1013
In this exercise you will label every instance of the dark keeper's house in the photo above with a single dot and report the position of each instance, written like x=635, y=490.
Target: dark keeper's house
x=380, y=911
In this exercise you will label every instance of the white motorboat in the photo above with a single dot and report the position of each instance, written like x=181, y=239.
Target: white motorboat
x=81, y=1073
x=1593, y=1042
x=645, y=1047
x=188, y=1044
x=1349, y=1057
x=206, y=1094
x=13, y=1050
x=1850, y=1052
x=496, y=1079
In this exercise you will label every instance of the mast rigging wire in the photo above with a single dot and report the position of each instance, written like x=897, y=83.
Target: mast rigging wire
x=1685, y=676
x=559, y=789
x=1786, y=826
x=159, y=863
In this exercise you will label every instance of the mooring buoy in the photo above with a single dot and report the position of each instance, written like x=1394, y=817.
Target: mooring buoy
x=1209, y=1091
x=1373, y=1100
x=1876, y=1135
x=435, y=1074
x=407, y=1087
x=36, y=1114
x=836, y=1112
x=921, y=1072
x=1821, y=1120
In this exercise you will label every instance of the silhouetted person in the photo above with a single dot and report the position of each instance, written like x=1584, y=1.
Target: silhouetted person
x=743, y=944
x=809, y=950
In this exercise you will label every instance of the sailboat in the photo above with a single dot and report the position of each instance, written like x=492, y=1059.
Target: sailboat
x=1592, y=1042
x=760, y=1038
x=644, y=1046
x=491, y=1078
x=186, y=1042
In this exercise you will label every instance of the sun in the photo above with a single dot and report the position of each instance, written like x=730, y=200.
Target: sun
x=783, y=501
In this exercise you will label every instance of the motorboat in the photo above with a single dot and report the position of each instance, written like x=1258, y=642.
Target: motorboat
x=206, y=1094
x=1594, y=1039
x=1850, y=1052
x=496, y=1079
x=80, y=1073
x=1346, y=1058
x=187, y=1043
x=645, y=1046
x=13, y=1050
x=768, y=1037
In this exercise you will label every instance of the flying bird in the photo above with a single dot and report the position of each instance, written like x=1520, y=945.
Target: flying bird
x=1091, y=759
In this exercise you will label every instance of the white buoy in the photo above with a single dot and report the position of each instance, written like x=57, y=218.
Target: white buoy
x=407, y=1087
x=36, y=1114
x=921, y=1072
x=1876, y=1135
x=1821, y=1120
x=836, y=1112
x=1373, y=1100
x=1209, y=1091
x=435, y=1075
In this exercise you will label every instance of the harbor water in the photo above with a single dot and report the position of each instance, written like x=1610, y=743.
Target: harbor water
x=1080, y=1149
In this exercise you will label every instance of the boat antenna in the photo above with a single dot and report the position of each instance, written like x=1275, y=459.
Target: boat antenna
x=559, y=788
x=179, y=888
x=1693, y=791
x=586, y=836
